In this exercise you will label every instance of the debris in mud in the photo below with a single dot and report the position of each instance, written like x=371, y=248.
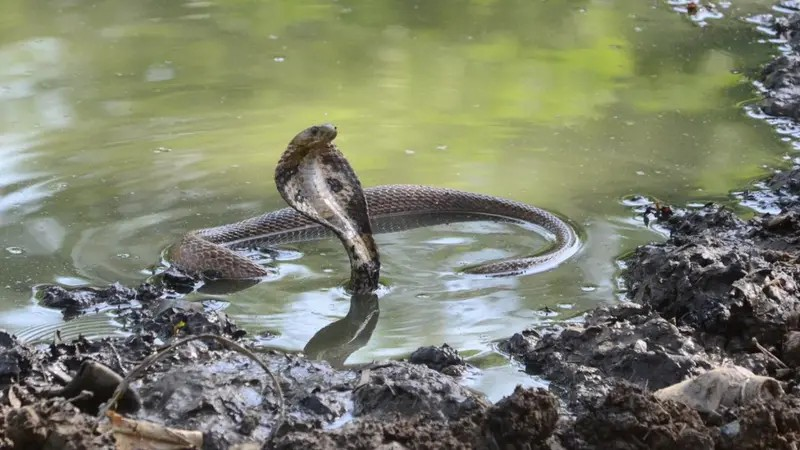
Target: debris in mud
x=658, y=211
x=762, y=426
x=183, y=320
x=625, y=342
x=140, y=435
x=99, y=382
x=50, y=424
x=723, y=387
x=720, y=289
x=227, y=397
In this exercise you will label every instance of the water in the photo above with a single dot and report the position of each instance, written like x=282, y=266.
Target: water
x=125, y=124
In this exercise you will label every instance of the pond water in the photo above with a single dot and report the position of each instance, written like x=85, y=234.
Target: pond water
x=126, y=124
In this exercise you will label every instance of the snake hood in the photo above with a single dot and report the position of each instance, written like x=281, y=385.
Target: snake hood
x=315, y=178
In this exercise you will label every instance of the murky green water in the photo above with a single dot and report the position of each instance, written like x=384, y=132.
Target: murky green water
x=125, y=124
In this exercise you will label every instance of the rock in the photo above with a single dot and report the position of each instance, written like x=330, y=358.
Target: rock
x=75, y=301
x=7, y=340
x=781, y=78
x=101, y=382
x=520, y=343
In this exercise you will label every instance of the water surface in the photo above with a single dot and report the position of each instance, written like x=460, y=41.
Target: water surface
x=125, y=124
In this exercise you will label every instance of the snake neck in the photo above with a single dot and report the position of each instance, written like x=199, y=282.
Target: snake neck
x=365, y=265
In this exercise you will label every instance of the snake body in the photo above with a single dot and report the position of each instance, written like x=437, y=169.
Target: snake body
x=326, y=197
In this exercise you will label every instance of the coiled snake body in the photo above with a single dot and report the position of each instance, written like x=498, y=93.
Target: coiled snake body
x=325, y=196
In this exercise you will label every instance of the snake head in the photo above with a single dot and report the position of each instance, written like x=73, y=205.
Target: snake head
x=316, y=135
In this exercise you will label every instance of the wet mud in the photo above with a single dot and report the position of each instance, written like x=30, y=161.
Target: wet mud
x=720, y=294
x=52, y=395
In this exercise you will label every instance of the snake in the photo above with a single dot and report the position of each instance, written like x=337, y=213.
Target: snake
x=325, y=198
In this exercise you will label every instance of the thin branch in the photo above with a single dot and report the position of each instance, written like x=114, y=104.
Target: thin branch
x=769, y=354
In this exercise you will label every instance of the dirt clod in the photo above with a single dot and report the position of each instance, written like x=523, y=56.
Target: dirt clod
x=438, y=358
x=630, y=418
x=51, y=425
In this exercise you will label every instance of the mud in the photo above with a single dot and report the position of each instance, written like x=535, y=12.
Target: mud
x=627, y=342
x=50, y=425
x=232, y=400
x=76, y=301
x=525, y=419
x=443, y=359
x=629, y=417
x=780, y=78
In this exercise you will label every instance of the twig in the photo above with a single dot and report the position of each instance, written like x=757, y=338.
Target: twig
x=141, y=430
x=83, y=395
x=768, y=354
x=118, y=358
x=152, y=359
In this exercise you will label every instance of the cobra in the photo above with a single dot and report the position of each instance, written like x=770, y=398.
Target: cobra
x=326, y=197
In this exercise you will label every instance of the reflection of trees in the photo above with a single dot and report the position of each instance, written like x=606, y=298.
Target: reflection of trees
x=417, y=74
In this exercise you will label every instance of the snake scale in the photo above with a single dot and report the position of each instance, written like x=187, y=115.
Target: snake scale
x=325, y=196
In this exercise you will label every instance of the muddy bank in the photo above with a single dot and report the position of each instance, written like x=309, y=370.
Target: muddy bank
x=721, y=292
x=52, y=393
x=604, y=373
x=780, y=78
x=49, y=399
